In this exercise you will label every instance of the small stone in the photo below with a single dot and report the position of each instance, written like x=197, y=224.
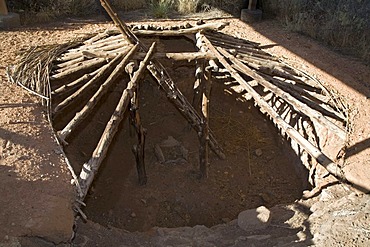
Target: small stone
x=6, y=237
x=143, y=201
x=133, y=215
x=258, y=152
x=254, y=219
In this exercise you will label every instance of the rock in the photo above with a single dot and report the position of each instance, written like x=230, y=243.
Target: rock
x=258, y=152
x=170, y=142
x=133, y=215
x=226, y=220
x=254, y=219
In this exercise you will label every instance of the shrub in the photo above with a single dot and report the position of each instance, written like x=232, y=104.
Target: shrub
x=161, y=8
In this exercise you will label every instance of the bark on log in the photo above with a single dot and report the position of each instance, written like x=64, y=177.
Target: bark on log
x=106, y=54
x=87, y=109
x=177, y=56
x=107, y=44
x=212, y=63
x=73, y=55
x=325, y=161
x=180, y=32
x=69, y=63
x=89, y=65
x=74, y=84
x=180, y=56
x=197, y=88
x=139, y=148
x=299, y=106
x=90, y=168
x=204, y=137
x=93, y=82
x=236, y=45
x=307, y=98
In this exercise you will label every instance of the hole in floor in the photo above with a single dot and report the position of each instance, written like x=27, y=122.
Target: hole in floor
x=260, y=167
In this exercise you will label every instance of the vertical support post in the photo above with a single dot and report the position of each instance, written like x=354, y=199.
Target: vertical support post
x=199, y=74
x=135, y=121
x=204, y=135
x=252, y=5
x=3, y=8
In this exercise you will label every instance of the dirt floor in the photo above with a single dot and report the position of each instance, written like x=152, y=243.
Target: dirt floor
x=35, y=193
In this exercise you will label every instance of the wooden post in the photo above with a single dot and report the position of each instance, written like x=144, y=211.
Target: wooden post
x=204, y=136
x=3, y=8
x=252, y=5
x=90, y=168
x=135, y=121
x=332, y=167
x=199, y=74
x=88, y=108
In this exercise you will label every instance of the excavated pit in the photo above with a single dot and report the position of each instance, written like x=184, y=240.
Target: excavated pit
x=260, y=166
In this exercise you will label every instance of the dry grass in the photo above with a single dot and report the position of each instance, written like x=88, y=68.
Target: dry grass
x=161, y=8
x=343, y=24
x=187, y=6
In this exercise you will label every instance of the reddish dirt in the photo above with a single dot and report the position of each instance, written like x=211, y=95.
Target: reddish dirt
x=35, y=193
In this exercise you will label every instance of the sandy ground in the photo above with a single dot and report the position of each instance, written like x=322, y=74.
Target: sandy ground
x=35, y=190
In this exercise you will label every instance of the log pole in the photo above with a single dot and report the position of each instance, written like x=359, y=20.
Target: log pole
x=90, y=168
x=139, y=148
x=87, y=109
x=135, y=120
x=204, y=136
x=165, y=82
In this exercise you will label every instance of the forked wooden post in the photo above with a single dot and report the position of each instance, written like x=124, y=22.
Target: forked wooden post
x=3, y=8
x=197, y=88
x=252, y=5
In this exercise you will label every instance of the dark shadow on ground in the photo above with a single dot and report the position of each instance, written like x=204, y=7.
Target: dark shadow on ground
x=357, y=148
x=312, y=52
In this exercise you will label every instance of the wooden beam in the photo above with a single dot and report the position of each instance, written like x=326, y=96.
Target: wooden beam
x=87, y=109
x=177, y=56
x=90, y=168
x=165, y=82
x=204, y=137
x=298, y=105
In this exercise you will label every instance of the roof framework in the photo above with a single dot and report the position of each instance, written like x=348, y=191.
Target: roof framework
x=299, y=105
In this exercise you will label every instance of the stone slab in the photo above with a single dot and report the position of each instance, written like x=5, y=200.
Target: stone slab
x=254, y=219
